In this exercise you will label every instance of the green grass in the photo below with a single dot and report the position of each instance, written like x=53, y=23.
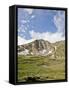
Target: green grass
x=40, y=66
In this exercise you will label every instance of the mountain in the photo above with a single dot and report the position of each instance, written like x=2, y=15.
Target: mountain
x=60, y=51
x=42, y=47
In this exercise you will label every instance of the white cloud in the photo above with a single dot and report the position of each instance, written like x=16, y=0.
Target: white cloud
x=29, y=10
x=52, y=37
x=33, y=16
x=21, y=29
x=25, y=21
x=22, y=40
x=59, y=21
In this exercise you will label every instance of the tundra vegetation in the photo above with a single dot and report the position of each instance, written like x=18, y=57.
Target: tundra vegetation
x=51, y=66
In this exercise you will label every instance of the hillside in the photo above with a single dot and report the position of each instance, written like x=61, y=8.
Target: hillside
x=43, y=48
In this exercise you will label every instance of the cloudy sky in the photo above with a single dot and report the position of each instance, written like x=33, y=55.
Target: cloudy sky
x=40, y=24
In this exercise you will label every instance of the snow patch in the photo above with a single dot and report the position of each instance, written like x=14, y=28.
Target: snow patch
x=25, y=52
x=50, y=52
x=31, y=53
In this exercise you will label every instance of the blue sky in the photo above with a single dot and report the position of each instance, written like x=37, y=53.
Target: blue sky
x=41, y=24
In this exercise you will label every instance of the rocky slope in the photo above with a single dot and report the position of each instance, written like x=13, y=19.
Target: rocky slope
x=42, y=47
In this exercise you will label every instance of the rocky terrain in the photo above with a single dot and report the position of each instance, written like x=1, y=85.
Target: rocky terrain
x=43, y=48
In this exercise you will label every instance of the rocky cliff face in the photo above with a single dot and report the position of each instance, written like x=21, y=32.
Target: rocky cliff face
x=41, y=47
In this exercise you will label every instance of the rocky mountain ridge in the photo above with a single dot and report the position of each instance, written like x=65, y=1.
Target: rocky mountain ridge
x=42, y=47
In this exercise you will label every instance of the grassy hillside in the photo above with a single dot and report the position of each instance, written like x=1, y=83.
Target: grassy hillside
x=40, y=68
x=60, y=51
